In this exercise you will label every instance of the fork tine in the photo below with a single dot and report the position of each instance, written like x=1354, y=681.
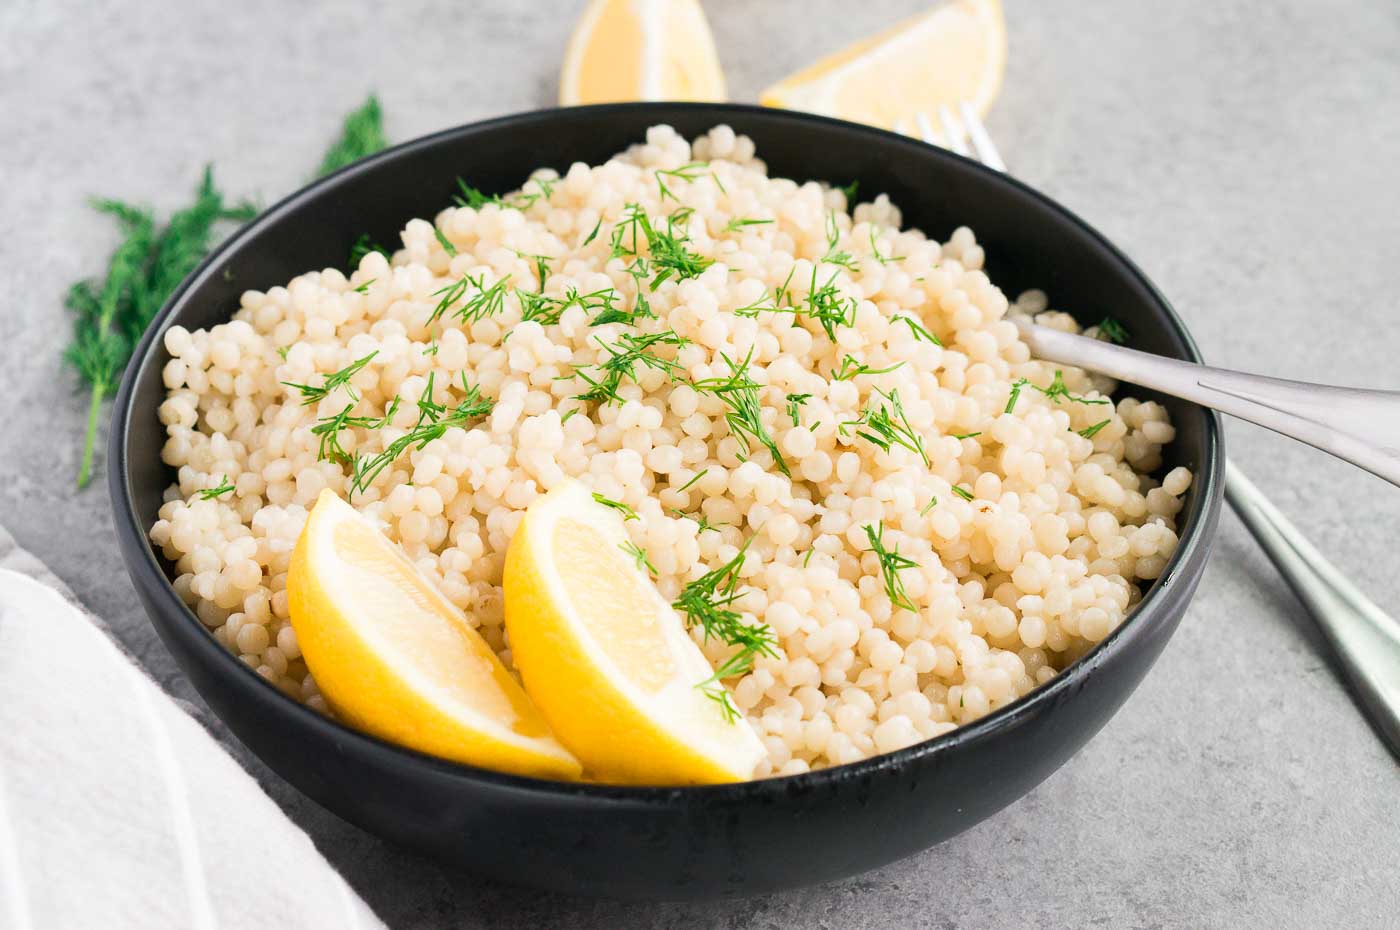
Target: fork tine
x=926, y=128
x=952, y=131
x=986, y=152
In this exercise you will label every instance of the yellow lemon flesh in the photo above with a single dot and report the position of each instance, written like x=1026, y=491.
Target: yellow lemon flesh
x=954, y=53
x=606, y=658
x=641, y=50
x=395, y=658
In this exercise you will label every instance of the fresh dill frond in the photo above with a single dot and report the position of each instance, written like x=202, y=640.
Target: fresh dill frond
x=362, y=246
x=1089, y=432
x=639, y=555
x=875, y=250
x=219, y=490
x=835, y=256
x=478, y=300
x=667, y=255
x=918, y=329
x=739, y=222
x=962, y=492
x=445, y=242
x=627, y=512
x=363, y=288
x=311, y=394
x=701, y=521
x=361, y=134
x=891, y=564
x=850, y=191
x=474, y=198
x=850, y=368
x=623, y=357
x=688, y=484
x=434, y=420
x=828, y=306
x=745, y=415
x=707, y=602
x=795, y=401
x=886, y=425
x=594, y=234
x=932, y=503
x=1113, y=331
x=542, y=266
x=966, y=435
x=328, y=430
x=282, y=352
x=1054, y=392
x=688, y=172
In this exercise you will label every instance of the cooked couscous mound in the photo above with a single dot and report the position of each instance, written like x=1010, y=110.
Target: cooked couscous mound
x=935, y=522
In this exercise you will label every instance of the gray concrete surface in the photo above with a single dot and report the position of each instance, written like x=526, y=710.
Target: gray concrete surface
x=1242, y=152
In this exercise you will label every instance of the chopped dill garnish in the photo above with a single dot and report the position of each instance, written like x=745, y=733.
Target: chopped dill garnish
x=966, y=435
x=918, y=329
x=565, y=418
x=431, y=349
x=887, y=426
x=544, y=190
x=282, y=352
x=707, y=602
x=1113, y=331
x=808, y=557
x=850, y=191
x=485, y=302
x=362, y=134
x=639, y=555
x=698, y=476
x=224, y=487
x=311, y=394
x=362, y=246
x=445, y=242
x=627, y=512
x=622, y=361
x=1054, y=392
x=828, y=307
x=793, y=402
x=834, y=256
x=542, y=266
x=745, y=416
x=739, y=222
x=667, y=255
x=850, y=368
x=363, y=288
x=891, y=564
x=875, y=250
x=686, y=173
x=328, y=429
x=932, y=503
x=434, y=420
x=471, y=197
x=110, y=315
x=594, y=234
x=702, y=522
x=1089, y=432
x=962, y=492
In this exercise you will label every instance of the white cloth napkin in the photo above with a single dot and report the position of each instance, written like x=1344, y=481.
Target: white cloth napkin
x=117, y=809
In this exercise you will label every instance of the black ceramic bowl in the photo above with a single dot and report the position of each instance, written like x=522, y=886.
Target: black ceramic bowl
x=669, y=842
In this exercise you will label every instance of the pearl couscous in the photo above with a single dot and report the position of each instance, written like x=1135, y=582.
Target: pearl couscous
x=897, y=412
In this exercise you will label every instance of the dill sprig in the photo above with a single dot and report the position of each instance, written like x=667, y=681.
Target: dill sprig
x=793, y=402
x=962, y=492
x=739, y=222
x=850, y=367
x=639, y=555
x=698, y=475
x=686, y=173
x=361, y=134
x=362, y=246
x=1089, y=432
x=434, y=420
x=1054, y=392
x=891, y=564
x=745, y=416
x=918, y=329
x=627, y=512
x=487, y=301
x=667, y=255
x=707, y=602
x=471, y=197
x=219, y=490
x=828, y=306
x=329, y=428
x=621, y=363
x=850, y=191
x=148, y=264
x=1113, y=331
x=835, y=256
x=445, y=242
x=875, y=250
x=311, y=394
x=886, y=425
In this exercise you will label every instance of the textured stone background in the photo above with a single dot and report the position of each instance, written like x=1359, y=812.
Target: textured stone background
x=1242, y=152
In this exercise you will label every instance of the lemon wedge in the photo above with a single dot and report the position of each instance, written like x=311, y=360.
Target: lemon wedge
x=953, y=53
x=641, y=50
x=395, y=658
x=607, y=659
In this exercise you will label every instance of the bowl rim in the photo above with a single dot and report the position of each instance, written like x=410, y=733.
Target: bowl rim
x=150, y=577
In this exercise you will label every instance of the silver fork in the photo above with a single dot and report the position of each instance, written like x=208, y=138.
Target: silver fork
x=1365, y=639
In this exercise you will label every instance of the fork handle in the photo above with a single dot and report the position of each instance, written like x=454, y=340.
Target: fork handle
x=1365, y=639
x=1360, y=426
